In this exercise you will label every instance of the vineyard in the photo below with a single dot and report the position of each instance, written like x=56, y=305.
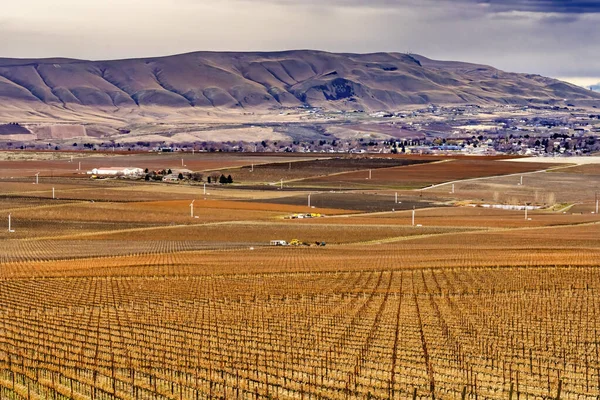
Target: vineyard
x=124, y=295
x=378, y=334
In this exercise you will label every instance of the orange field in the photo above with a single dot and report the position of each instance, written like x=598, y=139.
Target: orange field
x=260, y=233
x=117, y=292
x=134, y=219
x=484, y=218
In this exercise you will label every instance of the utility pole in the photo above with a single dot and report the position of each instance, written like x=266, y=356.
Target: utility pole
x=182, y=162
x=282, y=184
x=37, y=178
x=252, y=168
x=192, y=208
x=204, y=188
x=413, y=216
x=53, y=193
x=525, y=212
x=79, y=169
x=453, y=188
x=309, y=200
x=521, y=181
x=369, y=174
x=396, y=200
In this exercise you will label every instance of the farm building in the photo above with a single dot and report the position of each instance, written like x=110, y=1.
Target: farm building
x=171, y=178
x=114, y=171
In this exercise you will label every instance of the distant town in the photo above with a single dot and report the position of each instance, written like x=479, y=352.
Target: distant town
x=470, y=129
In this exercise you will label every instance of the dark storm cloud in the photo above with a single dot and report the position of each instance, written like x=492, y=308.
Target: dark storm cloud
x=545, y=6
x=554, y=38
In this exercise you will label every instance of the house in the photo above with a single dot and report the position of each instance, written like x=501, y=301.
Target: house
x=116, y=171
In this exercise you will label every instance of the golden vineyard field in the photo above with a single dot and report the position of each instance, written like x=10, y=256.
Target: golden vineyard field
x=132, y=298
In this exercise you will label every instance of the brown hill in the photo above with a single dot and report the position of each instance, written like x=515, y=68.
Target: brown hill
x=266, y=81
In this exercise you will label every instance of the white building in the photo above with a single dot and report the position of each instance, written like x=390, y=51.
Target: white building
x=116, y=171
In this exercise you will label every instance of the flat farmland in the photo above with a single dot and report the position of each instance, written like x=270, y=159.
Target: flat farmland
x=358, y=201
x=291, y=171
x=11, y=203
x=26, y=228
x=487, y=218
x=585, y=169
x=419, y=176
x=120, y=190
x=22, y=164
x=422, y=249
x=394, y=318
x=262, y=233
x=43, y=189
x=467, y=217
x=28, y=168
x=558, y=186
x=575, y=239
x=165, y=212
x=34, y=218
x=98, y=190
x=17, y=252
x=194, y=162
x=115, y=291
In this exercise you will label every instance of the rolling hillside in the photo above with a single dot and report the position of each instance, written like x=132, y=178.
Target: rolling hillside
x=263, y=82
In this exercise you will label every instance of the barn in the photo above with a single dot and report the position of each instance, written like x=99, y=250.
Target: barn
x=116, y=171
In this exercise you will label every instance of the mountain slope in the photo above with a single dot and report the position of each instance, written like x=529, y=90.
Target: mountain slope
x=267, y=81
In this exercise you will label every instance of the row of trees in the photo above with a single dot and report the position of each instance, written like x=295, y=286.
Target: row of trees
x=194, y=176
x=222, y=179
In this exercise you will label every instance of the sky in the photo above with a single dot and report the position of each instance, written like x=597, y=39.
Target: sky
x=560, y=39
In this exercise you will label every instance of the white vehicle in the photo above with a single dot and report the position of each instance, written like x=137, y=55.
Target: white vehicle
x=279, y=243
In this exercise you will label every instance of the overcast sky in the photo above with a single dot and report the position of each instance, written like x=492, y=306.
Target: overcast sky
x=549, y=37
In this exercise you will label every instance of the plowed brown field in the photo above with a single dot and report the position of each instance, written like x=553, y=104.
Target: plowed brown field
x=417, y=176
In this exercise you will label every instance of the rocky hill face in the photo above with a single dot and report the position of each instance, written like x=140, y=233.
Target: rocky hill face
x=268, y=81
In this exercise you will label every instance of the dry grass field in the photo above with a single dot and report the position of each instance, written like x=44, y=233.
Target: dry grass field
x=561, y=185
x=118, y=293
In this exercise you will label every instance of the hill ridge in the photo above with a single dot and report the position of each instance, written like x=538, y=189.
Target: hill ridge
x=270, y=81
